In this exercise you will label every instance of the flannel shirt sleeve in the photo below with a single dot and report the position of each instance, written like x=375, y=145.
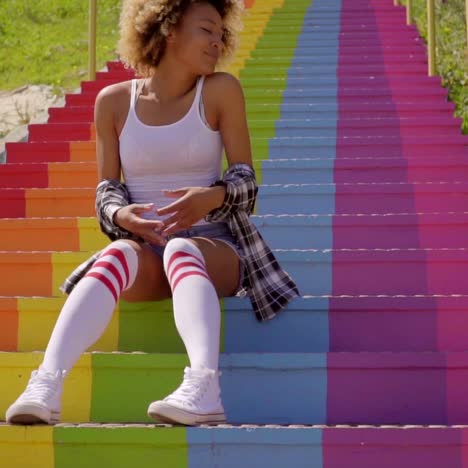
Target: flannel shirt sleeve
x=110, y=196
x=241, y=193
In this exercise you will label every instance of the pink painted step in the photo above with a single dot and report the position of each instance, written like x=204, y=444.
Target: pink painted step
x=441, y=321
x=398, y=271
x=401, y=197
x=397, y=388
x=366, y=231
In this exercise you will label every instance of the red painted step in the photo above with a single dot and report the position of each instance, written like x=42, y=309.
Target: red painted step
x=60, y=132
x=36, y=152
x=48, y=175
x=12, y=203
x=51, y=151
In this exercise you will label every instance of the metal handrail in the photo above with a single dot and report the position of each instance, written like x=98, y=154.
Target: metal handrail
x=431, y=30
x=92, y=39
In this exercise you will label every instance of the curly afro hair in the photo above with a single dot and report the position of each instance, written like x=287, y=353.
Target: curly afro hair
x=144, y=25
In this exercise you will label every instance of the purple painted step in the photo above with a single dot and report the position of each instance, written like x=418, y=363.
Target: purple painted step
x=397, y=388
x=388, y=323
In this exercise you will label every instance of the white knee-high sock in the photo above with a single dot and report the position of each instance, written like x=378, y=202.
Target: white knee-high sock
x=88, y=310
x=196, y=305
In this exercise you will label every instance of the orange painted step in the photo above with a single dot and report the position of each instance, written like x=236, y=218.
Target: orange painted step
x=33, y=234
x=25, y=274
x=57, y=202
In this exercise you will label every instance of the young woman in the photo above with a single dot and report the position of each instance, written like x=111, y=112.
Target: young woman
x=182, y=232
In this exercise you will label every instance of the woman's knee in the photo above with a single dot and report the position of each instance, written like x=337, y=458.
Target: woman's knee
x=125, y=256
x=179, y=245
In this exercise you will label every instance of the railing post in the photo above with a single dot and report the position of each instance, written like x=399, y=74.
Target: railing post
x=92, y=40
x=409, y=12
x=431, y=36
x=466, y=7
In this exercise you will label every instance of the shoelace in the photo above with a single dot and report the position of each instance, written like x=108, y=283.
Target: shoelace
x=41, y=386
x=191, y=390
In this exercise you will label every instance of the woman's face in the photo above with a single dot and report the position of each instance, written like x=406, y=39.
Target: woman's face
x=197, y=40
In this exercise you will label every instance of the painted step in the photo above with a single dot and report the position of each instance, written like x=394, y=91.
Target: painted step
x=378, y=147
x=233, y=446
x=368, y=170
x=381, y=388
x=365, y=198
x=48, y=202
x=365, y=231
x=359, y=127
x=333, y=70
x=49, y=234
x=61, y=132
x=304, y=60
x=302, y=111
x=389, y=230
x=279, y=83
x=354, y=271
x=310, y=324
x=48, y=175
x=308, y=127
x=61, y=151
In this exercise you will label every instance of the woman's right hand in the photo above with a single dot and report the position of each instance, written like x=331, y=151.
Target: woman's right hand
x=128, y=217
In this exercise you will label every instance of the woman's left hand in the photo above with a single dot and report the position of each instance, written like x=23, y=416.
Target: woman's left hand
x=193, y=204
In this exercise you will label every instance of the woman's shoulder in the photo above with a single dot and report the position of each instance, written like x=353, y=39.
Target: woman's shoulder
x=223, y=87
x=115, y=94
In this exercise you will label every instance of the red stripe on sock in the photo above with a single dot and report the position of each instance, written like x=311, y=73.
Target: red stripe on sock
x=123, y=261
x=112, y=269
x=189, y=273
x=182, y=254
x=104, y=280
x=182, y=265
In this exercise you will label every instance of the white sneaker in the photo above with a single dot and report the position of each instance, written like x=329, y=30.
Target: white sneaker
x=196, y=401
x=41, y=402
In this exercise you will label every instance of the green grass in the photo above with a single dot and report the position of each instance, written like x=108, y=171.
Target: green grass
x=452, y=51
x=46, y=41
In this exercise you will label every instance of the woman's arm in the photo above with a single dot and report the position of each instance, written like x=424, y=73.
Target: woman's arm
x=107, y=140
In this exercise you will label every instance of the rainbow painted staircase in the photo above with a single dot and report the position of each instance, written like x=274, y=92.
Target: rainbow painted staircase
x=365, y=198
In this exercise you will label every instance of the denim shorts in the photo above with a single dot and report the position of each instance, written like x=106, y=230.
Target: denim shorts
x=218, y=231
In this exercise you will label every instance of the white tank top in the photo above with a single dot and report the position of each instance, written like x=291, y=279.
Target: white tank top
x=153, y=158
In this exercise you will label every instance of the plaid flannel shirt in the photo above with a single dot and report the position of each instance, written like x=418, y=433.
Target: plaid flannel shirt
x=268, y=287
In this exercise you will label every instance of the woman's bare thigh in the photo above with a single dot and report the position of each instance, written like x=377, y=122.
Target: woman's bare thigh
x=222, y=263
x=151, y=282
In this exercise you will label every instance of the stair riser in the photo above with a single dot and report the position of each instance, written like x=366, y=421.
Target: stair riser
x=47, y=176
x=312, y=325
x=82, y=151
x=85, y=114
x=314, y=232
x=20, y=203
x=317, y=273
x=231, y=447
x=52, y=132
x=252, y=85
x=413, y=171
x=338, y=199
x=379, y=389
